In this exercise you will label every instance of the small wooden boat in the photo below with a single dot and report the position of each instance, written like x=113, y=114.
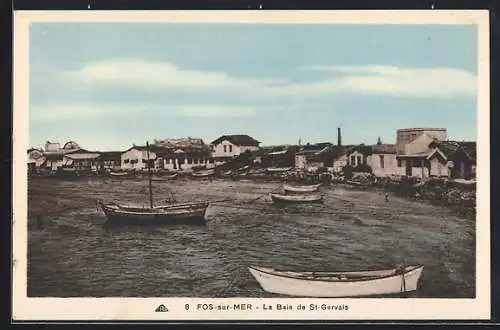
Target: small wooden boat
x=278, y=198
x=121, y=174
x=165, y=177
x=278, y=169
x=301, y=189
x=203, y=174
x=244, y=168
x=338, y=284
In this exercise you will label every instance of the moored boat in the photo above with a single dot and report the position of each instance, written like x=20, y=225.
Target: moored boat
x=165, y=177
x=165, y=214
x=278, y=198
x=338, y=284
x=278, y=169
x=202, y=174
x=301, y=189
x=121, y=174
x=185, y=212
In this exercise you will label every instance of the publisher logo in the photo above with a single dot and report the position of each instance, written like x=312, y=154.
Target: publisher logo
x=162, y=308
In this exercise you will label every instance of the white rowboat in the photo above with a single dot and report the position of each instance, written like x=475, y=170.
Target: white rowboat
x=203, y=174
x=120, y=174
x=338, y=284
x=277, y=198
x=301, y=189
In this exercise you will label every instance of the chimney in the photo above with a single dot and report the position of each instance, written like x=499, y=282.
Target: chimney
x=339, y=137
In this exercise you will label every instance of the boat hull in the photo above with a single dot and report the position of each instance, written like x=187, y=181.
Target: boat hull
x=177, y=214
x=301, y=189
x=203, y=174
x=285, y=199
x=381, y=283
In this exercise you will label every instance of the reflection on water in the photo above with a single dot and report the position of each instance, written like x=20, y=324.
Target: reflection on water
x=72, y=253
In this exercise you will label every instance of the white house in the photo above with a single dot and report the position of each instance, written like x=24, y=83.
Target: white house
x=136, y=158
x=227, y=147
x=383, y=160
x=180, y=159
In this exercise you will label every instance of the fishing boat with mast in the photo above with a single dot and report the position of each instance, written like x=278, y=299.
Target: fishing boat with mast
x=172, y=212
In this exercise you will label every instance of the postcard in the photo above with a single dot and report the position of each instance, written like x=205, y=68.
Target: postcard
x=251, y=165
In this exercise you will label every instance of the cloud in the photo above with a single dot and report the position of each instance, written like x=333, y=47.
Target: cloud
x=69, y=111
x=143, y=75
x=157, y=75
x=393, y=81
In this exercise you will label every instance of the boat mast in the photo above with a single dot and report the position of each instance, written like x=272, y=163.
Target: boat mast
x=150, y=180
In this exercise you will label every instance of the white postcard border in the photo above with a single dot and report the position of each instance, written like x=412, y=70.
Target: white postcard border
x=25, y=308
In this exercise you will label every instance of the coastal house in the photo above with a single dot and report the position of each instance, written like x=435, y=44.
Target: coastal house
x=183, y=154
x=383, y=160
x=380, y=158
x=136, y=158
x=182, y=158
x=226, y=147
x=109, y=160
x=81, y=160
x=454, y=159
x=36, y=159
x=54, y=154
x=314, y=157
x=415, y=154
x=279, y=156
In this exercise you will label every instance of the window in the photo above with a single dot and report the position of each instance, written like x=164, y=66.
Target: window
x=210, y=161
x=359, y=160
x=126, y=161
x=382, y=165
x=190, y=161
x=353, y=160
x=409, y=163
x=400, y=163
x=230, y=148
x=225, y=148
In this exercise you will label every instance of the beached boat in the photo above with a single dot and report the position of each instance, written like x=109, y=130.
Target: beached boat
x=121, y=174
x=338, y=284
x=301, y=189
x=278, y=198
x=244, y=168
x=203, y=174
x=186, y=212
x=165, y=177
x=278, y=169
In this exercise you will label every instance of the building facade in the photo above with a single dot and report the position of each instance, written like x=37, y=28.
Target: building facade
x=228, y=147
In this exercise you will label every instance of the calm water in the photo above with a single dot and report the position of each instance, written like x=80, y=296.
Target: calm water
x=74, y=255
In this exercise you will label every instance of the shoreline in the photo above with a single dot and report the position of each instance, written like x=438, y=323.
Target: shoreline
x=460, y=199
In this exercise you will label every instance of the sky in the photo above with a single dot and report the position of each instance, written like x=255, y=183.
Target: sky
x=110, y=85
